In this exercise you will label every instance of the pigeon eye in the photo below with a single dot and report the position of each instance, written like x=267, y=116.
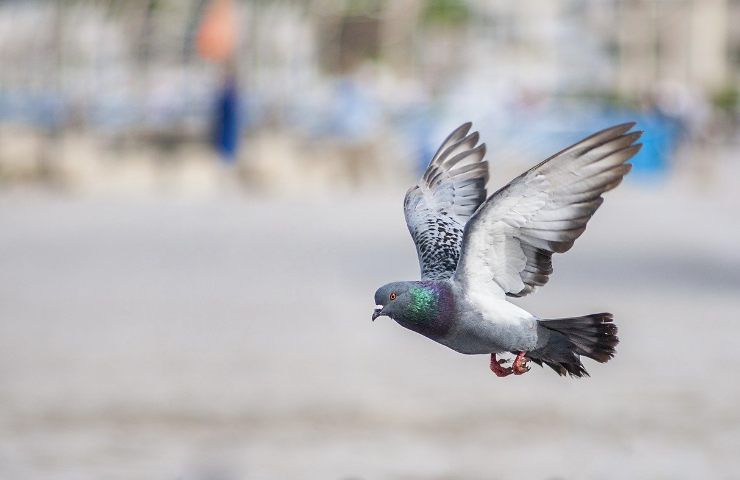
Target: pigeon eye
x=392, y=296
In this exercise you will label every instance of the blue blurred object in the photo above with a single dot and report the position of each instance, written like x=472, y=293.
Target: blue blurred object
x=47, y=109
x=661, y=136
x=566, y=125
x=353, y=113
x=416, y=123
x=660, y=140
x=226, y=121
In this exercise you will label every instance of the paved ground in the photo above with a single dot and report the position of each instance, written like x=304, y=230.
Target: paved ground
x=229, y=337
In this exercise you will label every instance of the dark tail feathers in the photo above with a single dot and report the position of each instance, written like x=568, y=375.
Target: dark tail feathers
x=593, y=336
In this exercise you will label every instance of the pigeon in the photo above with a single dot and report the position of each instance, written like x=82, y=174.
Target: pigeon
x=475, y=251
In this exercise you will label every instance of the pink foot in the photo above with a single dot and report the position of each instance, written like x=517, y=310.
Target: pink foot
x=498, y=368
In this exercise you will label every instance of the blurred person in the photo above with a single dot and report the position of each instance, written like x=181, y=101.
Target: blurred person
x=217, y=43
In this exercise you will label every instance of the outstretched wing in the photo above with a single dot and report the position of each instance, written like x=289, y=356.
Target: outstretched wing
x=437, y=208
x=511, y=238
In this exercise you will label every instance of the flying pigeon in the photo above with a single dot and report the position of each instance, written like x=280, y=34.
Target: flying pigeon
x=475, y=250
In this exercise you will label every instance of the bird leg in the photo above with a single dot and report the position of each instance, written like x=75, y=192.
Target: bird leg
x=519, y=367
x=498, y=368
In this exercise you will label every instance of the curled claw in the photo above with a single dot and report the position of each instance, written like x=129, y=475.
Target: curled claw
x=520, y=367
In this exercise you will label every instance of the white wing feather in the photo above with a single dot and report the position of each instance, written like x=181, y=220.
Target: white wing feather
x=510, y=240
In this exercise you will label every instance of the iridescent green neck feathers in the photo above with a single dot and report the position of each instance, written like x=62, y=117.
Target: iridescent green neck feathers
x=423, y=304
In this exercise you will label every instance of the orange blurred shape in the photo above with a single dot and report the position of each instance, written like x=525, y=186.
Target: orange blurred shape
x=217, y=32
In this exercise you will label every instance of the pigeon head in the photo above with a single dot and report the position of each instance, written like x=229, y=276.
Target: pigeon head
x=391, y=299
x=407, y=301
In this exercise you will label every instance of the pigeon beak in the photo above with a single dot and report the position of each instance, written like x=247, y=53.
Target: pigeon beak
x=377, y=312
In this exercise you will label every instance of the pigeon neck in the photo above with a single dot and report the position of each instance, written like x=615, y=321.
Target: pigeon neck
x=429, y=309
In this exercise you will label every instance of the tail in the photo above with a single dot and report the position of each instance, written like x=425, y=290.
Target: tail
x=593, y=336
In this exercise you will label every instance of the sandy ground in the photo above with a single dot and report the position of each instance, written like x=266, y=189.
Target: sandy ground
x=229, y=337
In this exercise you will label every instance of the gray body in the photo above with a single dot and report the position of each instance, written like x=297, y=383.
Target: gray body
x=478, y=328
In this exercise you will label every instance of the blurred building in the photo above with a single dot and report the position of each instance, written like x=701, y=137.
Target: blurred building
x=362, y=76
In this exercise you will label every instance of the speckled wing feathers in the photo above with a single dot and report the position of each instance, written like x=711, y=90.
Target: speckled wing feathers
x=449, y=192
x=510, y=240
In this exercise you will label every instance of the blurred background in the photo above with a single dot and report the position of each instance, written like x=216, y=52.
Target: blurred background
x=198, y=199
